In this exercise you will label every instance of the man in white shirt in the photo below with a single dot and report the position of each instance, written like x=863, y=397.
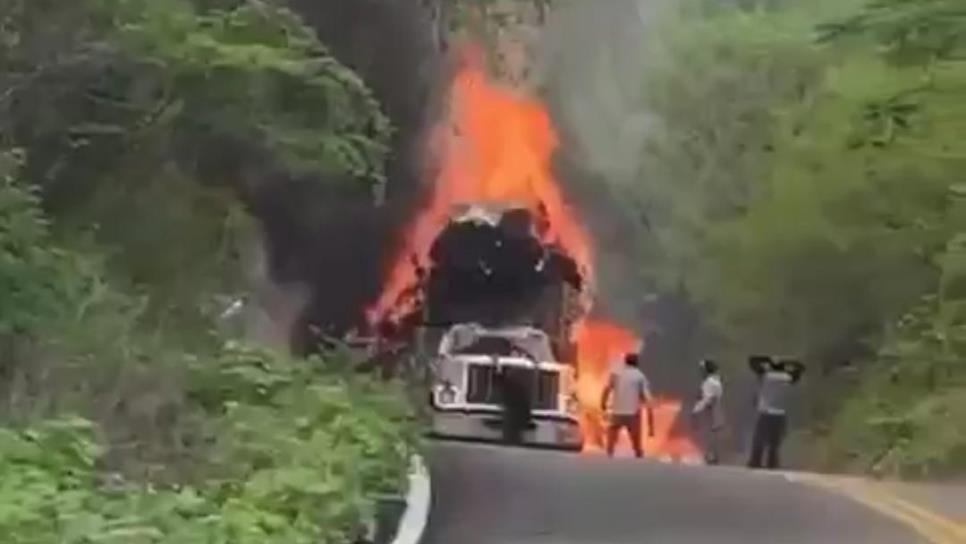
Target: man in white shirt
x=709, y=411
x=630, y=390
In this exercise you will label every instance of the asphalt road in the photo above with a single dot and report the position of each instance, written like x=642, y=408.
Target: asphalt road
x=495, y=495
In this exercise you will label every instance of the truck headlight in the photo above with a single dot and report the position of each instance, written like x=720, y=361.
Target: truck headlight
x=447, y=394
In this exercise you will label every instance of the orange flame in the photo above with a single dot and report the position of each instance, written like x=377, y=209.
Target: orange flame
x=601, y=345
x=494, y=147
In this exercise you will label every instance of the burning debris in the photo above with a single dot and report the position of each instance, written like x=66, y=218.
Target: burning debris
x=489, y=267
x=492, y=268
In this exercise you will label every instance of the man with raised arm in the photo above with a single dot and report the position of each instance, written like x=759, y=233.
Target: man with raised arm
x=775, y=380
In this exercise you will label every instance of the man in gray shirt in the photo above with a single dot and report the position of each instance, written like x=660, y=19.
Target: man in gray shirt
x=775, y=380
x=630, y=391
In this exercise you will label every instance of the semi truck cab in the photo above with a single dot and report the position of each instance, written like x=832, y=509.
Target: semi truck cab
x=502, y=384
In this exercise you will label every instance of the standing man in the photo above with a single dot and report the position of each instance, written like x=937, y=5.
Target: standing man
x=515, y=400
x=776, y=379
x=709, y=411
x=630, y=389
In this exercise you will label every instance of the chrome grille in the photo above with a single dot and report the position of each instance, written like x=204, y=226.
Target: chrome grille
x=481, y=385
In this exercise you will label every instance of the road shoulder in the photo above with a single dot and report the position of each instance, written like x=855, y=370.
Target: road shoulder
x=933, y=511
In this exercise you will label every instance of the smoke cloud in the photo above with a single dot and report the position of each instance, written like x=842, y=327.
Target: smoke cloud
x=591, y=72
x=330, y=235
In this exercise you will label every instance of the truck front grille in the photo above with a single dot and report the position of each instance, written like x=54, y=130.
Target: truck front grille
x=482, y=387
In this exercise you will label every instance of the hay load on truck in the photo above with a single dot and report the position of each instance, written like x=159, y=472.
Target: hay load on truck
x=493, y=330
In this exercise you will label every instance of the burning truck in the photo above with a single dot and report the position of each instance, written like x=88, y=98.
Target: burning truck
x=494, y=327
x=490, y=316
x=493, y=280
x=493, y=273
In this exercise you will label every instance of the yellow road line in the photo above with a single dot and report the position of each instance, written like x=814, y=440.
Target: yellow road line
x=949, y=526
x=931, y=526
x=927, y=531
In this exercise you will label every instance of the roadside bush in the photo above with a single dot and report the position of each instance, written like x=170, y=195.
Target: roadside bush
x=123, y=416
x=231, y=444
x=310, y=446
x=905, y=419
x=295, y=463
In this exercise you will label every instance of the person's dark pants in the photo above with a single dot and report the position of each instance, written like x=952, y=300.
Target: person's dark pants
x=516, y=411
x=712, y=444
x=633, y=425
x=767, y=441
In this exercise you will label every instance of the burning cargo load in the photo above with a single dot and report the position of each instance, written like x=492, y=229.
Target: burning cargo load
x=489, y=267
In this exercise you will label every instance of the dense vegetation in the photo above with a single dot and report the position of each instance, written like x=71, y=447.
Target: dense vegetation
x=800, y=180
x=799, y=183
x=132, y=133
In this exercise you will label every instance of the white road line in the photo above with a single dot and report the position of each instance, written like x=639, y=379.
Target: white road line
x=414, y=519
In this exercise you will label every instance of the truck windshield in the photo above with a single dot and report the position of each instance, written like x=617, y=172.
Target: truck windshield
x=502, y=346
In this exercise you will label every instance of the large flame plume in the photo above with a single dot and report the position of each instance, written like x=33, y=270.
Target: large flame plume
x=495, y=147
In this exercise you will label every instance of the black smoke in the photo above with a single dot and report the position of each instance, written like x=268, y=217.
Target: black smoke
x=331, y=234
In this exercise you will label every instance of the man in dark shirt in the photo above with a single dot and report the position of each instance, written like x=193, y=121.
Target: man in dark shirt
x=776, y=379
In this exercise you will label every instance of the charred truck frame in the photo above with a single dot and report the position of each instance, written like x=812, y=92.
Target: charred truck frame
x=493, y=329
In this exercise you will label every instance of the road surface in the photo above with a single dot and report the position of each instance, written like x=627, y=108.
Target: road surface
x=495, y=495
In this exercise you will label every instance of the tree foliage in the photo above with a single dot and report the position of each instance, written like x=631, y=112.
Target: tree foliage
x=33, y=277
x=801, y=183
x=99, y=73
x=224, y=444
x=712, y=128
x=131, y=135
x=169, y=115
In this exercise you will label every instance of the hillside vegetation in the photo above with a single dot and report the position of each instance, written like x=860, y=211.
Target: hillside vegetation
x=132, y=133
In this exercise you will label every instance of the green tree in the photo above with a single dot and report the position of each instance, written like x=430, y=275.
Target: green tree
x=905, y=418
x=168, y=116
